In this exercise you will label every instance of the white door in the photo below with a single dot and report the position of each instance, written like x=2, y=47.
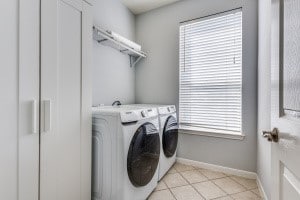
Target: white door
x=29, y=86
x=285, y=114
x=65, y=147
x=19, y=86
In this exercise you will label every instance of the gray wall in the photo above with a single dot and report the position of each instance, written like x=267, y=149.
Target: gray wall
x=157, y=76
x=264, y=95
x=9, y=99
x=113, y=79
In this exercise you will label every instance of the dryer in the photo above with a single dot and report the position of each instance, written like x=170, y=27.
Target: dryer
x=168, y=135
x=126, y=150
x=169, y=138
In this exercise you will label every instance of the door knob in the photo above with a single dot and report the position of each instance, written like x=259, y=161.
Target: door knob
x=272, y=136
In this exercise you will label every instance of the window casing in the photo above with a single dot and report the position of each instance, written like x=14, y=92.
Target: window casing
x=210, y=88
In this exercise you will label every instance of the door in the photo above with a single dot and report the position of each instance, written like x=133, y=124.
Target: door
x=143, y=155
x=285, y=109
x=19, y=86
x=65, y=144
x=170, y=136
x=29, y=86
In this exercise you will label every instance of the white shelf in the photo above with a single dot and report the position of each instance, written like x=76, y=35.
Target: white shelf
x=105, y=38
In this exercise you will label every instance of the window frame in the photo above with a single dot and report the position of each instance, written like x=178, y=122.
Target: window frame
x=195, y=130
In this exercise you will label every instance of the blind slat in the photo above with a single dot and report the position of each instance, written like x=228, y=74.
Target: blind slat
x=210, y=59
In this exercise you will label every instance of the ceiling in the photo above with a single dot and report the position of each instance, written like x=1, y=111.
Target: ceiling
x=140, y=6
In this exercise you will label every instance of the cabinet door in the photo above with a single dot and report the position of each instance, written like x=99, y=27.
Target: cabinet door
x=29, y=82
x=65, y=147
x=19, y=86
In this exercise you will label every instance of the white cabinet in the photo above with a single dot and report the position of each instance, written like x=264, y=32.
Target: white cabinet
x=45, y=143
x=29, y=67
x=65, y=147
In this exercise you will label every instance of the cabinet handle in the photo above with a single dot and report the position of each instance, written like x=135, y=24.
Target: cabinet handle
x=47, y=115
x=34, y=116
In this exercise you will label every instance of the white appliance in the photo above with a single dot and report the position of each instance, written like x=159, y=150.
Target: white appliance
x=168, y=135
x=126, y=149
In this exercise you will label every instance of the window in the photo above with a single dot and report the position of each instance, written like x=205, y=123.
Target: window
x=210, y=89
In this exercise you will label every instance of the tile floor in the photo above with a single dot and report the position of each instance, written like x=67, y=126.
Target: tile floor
x=185, y=182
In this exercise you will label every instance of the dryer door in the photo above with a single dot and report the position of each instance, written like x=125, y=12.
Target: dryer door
x=143, y=155
x=170, y=136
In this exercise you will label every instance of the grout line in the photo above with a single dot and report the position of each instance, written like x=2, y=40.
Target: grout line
x=255, y=194
x=194, y=188
x=197, y=191
x=222, y=197
x=172, y=194
x=226, y=175
x=238, y=183
x=247, y=191
x=242, y=184
x=259, y=195
x=220, y=188
x=196, y=181
x=179, y=185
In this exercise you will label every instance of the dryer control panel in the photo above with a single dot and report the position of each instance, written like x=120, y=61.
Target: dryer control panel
x=163, y=110
x=136, y=115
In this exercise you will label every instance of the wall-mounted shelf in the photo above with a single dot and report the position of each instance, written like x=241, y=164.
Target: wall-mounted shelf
x=106, y=38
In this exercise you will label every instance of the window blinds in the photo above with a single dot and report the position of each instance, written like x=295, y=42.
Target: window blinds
x=210, y=88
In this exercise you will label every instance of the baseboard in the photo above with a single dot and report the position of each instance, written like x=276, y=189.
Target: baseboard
x=227, y=170
x=261, y=189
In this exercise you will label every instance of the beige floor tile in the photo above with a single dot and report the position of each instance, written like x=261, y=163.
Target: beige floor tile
x=209, y=190
x=256, y=191
x=193, y=176
x=161, y=195
x=172, y=170
x=184, y=182
x=229, y=186
x=247, y=183
x=212, y=174
x=174, y=180
x=224, y=198
x=181, y=167
x=186, y=193
x=248, y=195
x=161, y=186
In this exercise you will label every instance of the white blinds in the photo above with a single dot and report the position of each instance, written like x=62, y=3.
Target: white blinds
x=211, y=72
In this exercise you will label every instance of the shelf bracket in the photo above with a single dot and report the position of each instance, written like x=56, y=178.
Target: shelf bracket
x=134, y=60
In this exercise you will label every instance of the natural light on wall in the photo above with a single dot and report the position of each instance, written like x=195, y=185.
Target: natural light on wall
x=210, y=93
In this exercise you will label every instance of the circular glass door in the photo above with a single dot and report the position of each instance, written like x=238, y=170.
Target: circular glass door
x=170, y=136
x=143, y=155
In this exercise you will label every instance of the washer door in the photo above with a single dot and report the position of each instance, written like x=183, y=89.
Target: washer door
x=143, y=155
x=170, y=136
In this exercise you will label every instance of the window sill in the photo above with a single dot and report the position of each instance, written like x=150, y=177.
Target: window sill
x=210, y=133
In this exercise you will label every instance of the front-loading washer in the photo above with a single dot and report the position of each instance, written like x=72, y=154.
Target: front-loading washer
x=168, y=135
x=126, y=150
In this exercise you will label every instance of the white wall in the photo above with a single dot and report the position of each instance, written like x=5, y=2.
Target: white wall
x=9, y=99
x=264, y=95
x=157, y=76
x=113, y=79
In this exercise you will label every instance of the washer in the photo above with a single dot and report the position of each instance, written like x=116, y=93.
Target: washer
x=126, y=150
x=168, y=135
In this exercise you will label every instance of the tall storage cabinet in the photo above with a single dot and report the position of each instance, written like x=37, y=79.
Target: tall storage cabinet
x=46, y=112
x=65, y=140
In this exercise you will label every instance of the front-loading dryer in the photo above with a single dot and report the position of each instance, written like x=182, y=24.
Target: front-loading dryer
x=169, y=138
x=126, y=150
